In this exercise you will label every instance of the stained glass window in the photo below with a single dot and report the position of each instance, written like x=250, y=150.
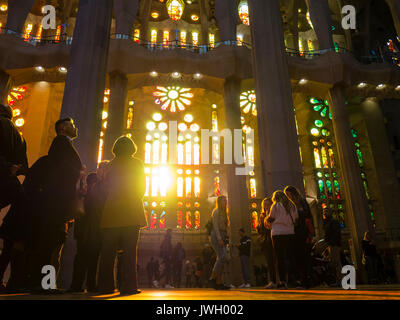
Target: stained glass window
x=58, y=34
x=153, y=38
x=323, y=148
x=136, y=35
x=195, y=39
x=174, y=98
x=28, y=31
x=244, y=12
x=212, y=40
x=165, y=39
x=248, y=102
x=163, y=178
x=175, y=9
x=364, y=178
x=183, y=37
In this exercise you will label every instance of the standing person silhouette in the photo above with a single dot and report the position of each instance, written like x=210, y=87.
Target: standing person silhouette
x=123, y=217
x=51, y=187
x=219, y=240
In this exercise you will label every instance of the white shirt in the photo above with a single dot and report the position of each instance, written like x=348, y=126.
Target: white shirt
x=283, y=224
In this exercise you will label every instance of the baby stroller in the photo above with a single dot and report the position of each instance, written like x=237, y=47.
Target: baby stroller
x=321, y=269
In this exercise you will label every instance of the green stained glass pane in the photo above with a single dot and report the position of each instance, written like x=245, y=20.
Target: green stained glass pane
x=329, y=187
x=319, y=174
x=360, y=158
x=340, y=206
x=326, y=102
x=321, y=186
x=323, y=112
x=323, y=131
x=330, y=115
x=357, y=145
x=341, y=220
x=334, y=174
x=319, y=124
x=327, y=175
x=354, y=133
x=337, y=188
x=314, y=100
x=363, y=175
x=318, y=107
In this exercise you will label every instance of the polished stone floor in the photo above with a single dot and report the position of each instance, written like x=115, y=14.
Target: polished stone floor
x=361, y=293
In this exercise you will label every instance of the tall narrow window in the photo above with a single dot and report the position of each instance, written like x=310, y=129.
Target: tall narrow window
x=28, y=31
x=165, y=39
x=183, y=38
x=153, y=38
x=136, y=35
x=195, y=38
x=39, y=32
x=212, y=40
x=58, y=34
x=239, y=39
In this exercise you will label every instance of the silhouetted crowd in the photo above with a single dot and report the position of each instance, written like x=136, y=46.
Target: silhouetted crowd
x=106, y=209
x=105, y=206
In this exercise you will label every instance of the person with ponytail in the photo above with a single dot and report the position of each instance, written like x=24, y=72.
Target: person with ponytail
x=283, y=217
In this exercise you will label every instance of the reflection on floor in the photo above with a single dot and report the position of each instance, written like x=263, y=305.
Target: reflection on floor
x=362, y=293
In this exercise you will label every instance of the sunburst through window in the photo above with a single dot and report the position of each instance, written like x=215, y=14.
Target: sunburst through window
x=173, y=98
x=248, y=102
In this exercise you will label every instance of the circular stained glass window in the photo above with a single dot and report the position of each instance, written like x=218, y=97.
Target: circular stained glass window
x=319, y=123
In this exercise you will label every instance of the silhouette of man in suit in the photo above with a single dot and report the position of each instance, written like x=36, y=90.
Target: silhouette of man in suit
x=57, y=203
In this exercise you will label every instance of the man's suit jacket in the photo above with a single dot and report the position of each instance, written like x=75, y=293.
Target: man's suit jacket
x=65, y=167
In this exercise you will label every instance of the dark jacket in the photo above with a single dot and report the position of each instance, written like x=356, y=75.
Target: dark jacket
x=12, y=146
x=244, y=246
x=124, y=185
x=333, y=232
x=166, y=248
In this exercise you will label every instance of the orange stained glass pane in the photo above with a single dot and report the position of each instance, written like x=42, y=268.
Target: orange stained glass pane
x=254, y=220
x=324, y=157
x=179, y=219
x=317, y=158
x=188, y=219
x=331, y=157
x=165, y=39
x=253, y=190
x=197, y=220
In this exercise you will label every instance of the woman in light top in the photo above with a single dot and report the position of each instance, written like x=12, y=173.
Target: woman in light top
x=219, y=240
x=283, y=216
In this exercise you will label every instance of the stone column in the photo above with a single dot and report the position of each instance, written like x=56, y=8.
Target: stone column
x=18, y=11
x=383, y=162
x=116, y=111
x=204, y=23
x=236, y=184
x=84, y=87
x=226, y=14
x=394, y=6
x=125, y=13
x=294, y=27
x=5, y=85
x=279, y=147
x=322, y=22
x=357, y=210
x=144, y=21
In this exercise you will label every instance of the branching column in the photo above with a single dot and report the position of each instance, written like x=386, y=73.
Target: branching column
x=236, y=184
x=279, y=147
x=116, y=111
x=226, y=14
x=322, y=22
x=84, y=88
x=18, y=11
x=125, y=13
x=356, y=202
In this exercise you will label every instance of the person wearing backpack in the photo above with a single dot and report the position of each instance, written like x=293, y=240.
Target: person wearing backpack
x=304, y=233
x=283, y=217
